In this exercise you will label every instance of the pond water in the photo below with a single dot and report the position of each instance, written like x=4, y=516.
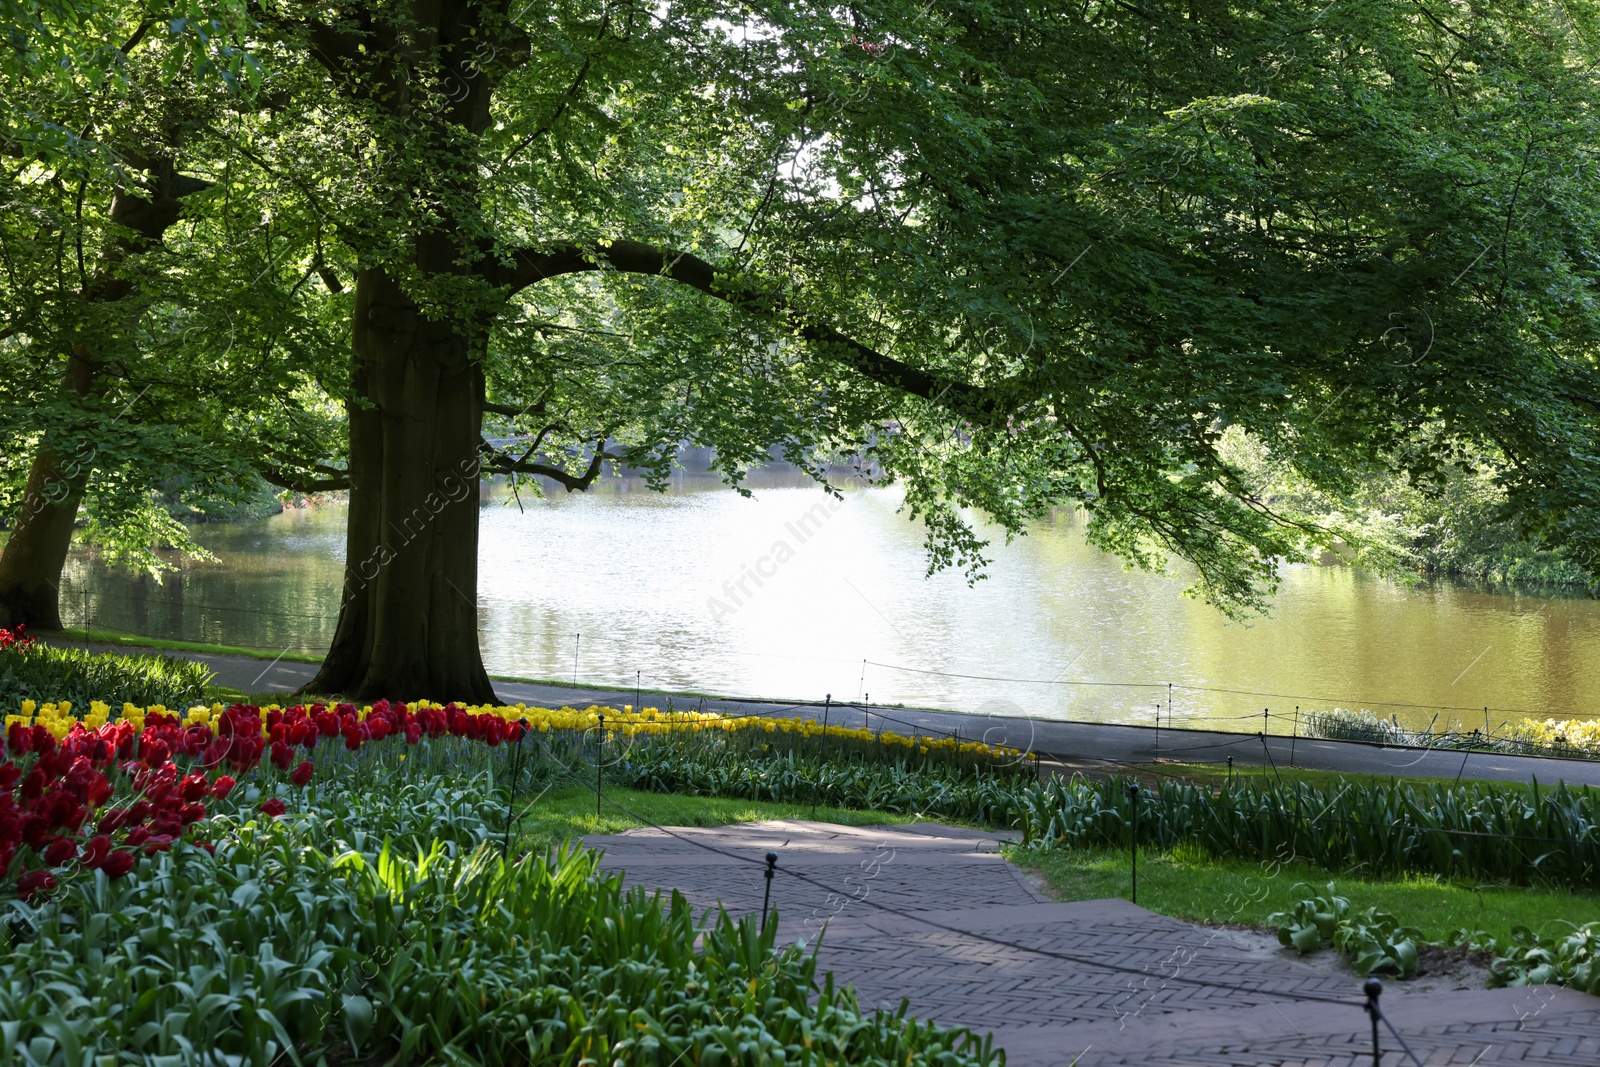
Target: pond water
x=787, y=595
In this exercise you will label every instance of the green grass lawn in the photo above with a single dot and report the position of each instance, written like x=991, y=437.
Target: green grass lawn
x=1188, y=884
x=552, y=817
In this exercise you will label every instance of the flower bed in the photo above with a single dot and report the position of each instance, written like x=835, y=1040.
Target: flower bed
x=1561, y=738
x=318, y=883
x=97, y=792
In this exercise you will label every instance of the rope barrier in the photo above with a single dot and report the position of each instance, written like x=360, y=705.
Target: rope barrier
x=1082, y=961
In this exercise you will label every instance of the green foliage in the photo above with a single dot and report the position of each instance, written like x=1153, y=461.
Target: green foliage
x=384, y=926
x=1517, y=834
x=1486, y=832
x=1569, y=739
x=1370, y=940
x=1454, y=522
x=832, y=773
x=1571, y=959
x=43, y=673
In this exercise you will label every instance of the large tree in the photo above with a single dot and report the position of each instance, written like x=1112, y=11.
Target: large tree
x=1014, y=255
x=1011, y=254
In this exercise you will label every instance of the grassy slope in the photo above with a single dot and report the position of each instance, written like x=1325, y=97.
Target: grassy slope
x=568, y=812
x=1188, y=884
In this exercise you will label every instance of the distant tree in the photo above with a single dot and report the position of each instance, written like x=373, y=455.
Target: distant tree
x=134, y=353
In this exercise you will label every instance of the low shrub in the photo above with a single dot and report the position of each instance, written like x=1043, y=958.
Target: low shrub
x=47, y=672
x=1571, y=959
x=1372, y=941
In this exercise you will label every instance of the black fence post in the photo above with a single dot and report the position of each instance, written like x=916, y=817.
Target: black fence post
x=766, y=897
x=1374, y=989
x=599, y=759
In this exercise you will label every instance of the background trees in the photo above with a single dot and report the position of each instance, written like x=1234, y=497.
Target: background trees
x=158, y=335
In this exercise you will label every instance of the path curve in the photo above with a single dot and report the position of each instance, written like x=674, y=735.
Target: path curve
x=935, y=915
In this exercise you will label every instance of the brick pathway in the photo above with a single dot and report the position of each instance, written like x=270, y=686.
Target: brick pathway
x=908, y=911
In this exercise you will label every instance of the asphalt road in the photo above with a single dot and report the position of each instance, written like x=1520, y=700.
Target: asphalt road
x=1071, y=744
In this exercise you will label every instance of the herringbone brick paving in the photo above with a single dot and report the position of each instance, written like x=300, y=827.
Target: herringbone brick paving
x=913, y=912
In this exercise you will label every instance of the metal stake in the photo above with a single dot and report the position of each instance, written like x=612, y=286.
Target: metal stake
x=577, y=639
x=1373, y=990
x=766, y=897
x=1294, y=736
x=1230, y=771
x=827, y=704
x=599, y=753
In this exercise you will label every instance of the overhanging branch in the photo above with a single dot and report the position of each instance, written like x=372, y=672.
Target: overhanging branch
x=296, y=484
x=500, y=463
x=635, y=257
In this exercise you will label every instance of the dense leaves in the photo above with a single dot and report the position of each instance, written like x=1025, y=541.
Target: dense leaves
x=1370, y=940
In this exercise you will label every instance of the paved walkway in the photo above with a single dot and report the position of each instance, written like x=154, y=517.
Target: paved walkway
x=934, y=915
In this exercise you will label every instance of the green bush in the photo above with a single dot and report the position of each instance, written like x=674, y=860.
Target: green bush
x=1370, y=940
x=50, y=673
x=1571, y=959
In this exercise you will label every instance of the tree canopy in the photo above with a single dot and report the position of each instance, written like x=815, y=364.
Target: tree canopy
x=1011, y=255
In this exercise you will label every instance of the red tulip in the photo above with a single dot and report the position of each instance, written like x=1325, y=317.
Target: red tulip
x=95, y=852
x=302, y=773
x=193, y=787
x=223, y=786
x=273, y=807
x=117, y=864
x=30, y=885
x=60, y=851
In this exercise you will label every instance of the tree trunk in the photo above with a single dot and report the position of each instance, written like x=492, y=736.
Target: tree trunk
x=30, y=566
x=408, y=625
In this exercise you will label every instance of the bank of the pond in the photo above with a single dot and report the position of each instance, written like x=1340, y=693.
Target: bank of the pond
x=1070, y=745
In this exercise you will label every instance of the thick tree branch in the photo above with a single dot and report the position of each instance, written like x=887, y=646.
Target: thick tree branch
x=634, y=257
x=284, y=480
x=499, y=463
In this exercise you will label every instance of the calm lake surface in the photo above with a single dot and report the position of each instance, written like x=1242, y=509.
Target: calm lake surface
x=700, y=589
